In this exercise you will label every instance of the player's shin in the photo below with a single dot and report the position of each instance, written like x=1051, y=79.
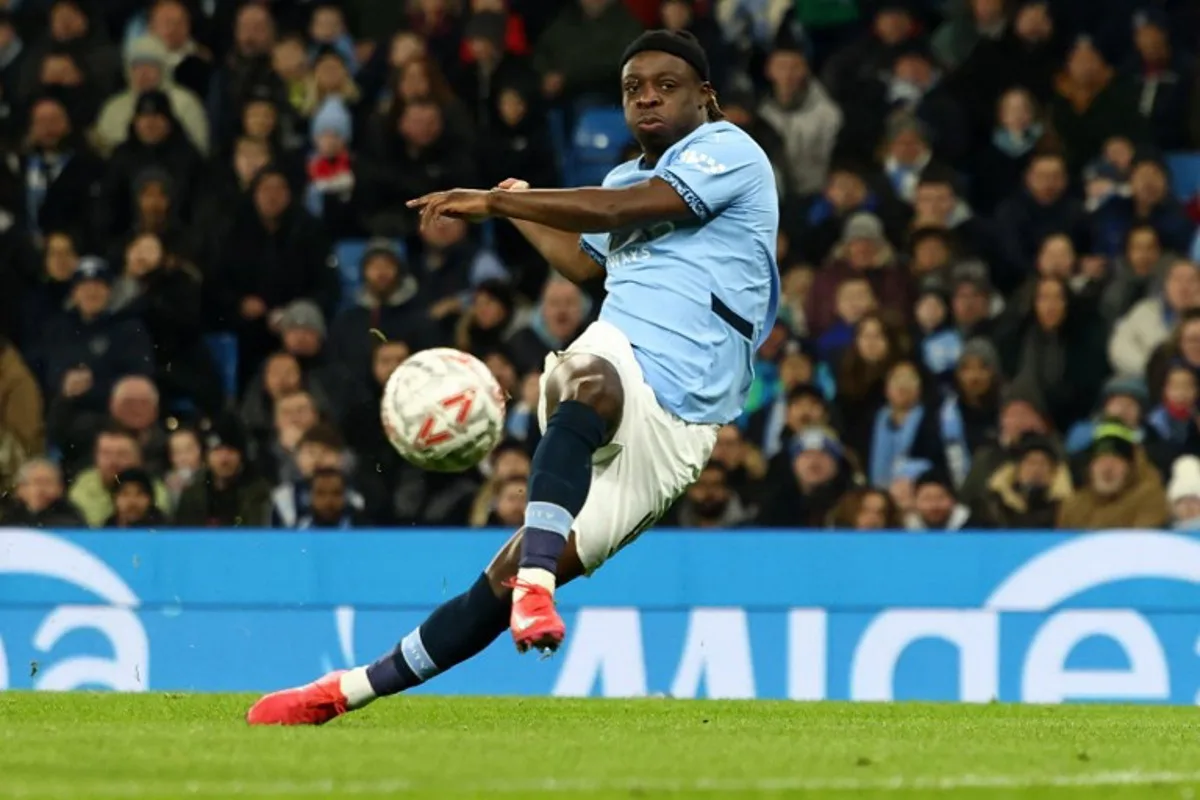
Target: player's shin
x=456, y=630
x=558, y=487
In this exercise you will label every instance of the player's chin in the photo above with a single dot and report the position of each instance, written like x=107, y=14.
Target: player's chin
x=655, y=137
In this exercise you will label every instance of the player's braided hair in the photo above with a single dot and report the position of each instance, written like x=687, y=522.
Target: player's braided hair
x=713, y=109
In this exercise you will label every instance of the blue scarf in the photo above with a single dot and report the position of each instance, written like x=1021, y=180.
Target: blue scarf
x=1016, y=145
x=890, y=445
x=954, y=441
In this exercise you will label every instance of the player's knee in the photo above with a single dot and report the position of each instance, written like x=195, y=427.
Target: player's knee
x=594, y=382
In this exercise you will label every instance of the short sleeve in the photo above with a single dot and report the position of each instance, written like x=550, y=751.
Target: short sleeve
x=712, y=171
x=596, y=246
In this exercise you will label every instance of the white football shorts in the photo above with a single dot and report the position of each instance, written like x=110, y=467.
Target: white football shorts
x=652, y=459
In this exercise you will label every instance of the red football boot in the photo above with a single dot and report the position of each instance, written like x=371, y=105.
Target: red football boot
x=534, y=622
x=313, y=704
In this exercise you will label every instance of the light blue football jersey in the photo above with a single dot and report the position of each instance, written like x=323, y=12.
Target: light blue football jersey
x=696, y=298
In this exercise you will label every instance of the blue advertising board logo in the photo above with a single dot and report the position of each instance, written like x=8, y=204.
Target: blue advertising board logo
x=1023, y=617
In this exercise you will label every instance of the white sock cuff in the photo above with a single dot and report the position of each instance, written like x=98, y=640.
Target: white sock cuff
x=356, y=687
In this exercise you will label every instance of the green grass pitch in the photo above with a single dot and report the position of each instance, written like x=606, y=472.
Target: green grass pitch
x=79, y=746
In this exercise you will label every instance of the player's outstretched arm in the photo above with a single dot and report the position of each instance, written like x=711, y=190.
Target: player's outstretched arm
x=583, y=210
x=591, y=209
x=560, y=249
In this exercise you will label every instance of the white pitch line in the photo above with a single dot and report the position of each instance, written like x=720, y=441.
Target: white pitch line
x=44, y=790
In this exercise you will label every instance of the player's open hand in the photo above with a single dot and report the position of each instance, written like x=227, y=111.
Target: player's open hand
x=468, y=204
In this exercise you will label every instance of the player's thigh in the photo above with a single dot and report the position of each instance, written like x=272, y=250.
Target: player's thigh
x=660, y=457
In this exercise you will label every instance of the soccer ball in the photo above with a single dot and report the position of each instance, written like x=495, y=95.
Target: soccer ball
x=443, y=410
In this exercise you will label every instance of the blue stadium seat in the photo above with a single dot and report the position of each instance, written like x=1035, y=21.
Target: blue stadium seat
x=349, y=254
x=1185, y=174
x=224, y=350
x=600, y=135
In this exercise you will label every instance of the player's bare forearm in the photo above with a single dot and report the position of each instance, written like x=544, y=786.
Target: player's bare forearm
x=561, y=249
x=592, y=210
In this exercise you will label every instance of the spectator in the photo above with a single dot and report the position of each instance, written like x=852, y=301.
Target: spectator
x=116, y=450
x=937, y=204
x=327, y=29
x=147, y=70
x=1174, y=419
x=133, y=404
x=61, y=175
x=1027, y=492
x=938, y=342
x=133, y=501
x=1149, y=202
x=1183, y=346
x=247, y=65
x=1040, y=209
x=892, y=27
x=1124, y=400
x=1109, y=173
x=804, y=116
x=515, y=147
x=1183, y=494
x=62, y=74
x=489, y=68
x=957, y=36
x=187, y=62
x=1017, y=134
x=39, y=501
x=907, y=154
x=846, y=193
x=226, y=191
x=556, y=321
x=509, y=462
x=71, y=27
x=321, y=447
x=1090, y=104
x=438, y=23
x=861, y=377
x=862, y=252
x=1021, y=413
x=295, y=415
x=1122, y=489
x=330, y=503
x=1058, y=352
x=387, y=303
x=509, y=511
x=22, y=426
x=572, y=72
x=164, y=292
x=418, y=156
x=745, y=467
x=276, y=253
x=185, y=456
x=936, y=506
x=279, y=377
x=968, y=414
x=1137, y=274
x=226, y=493
x=155, y=141
x=818, y=477
x=866, y=509
x=903, y=434
x=914, y=85
x=1163, y=77
x=86, y=349
x=710, y=502
x=330, y=79
x=450, y=263
x=1148, y=323
x=331, y=196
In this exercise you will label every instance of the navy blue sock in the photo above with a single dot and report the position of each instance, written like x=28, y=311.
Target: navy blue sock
x=454, y=632
x=559, y=481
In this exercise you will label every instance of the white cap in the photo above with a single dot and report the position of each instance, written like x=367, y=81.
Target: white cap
x=1185, y=479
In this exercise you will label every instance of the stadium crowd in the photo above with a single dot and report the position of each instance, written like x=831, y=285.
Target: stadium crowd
x=991, y=298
